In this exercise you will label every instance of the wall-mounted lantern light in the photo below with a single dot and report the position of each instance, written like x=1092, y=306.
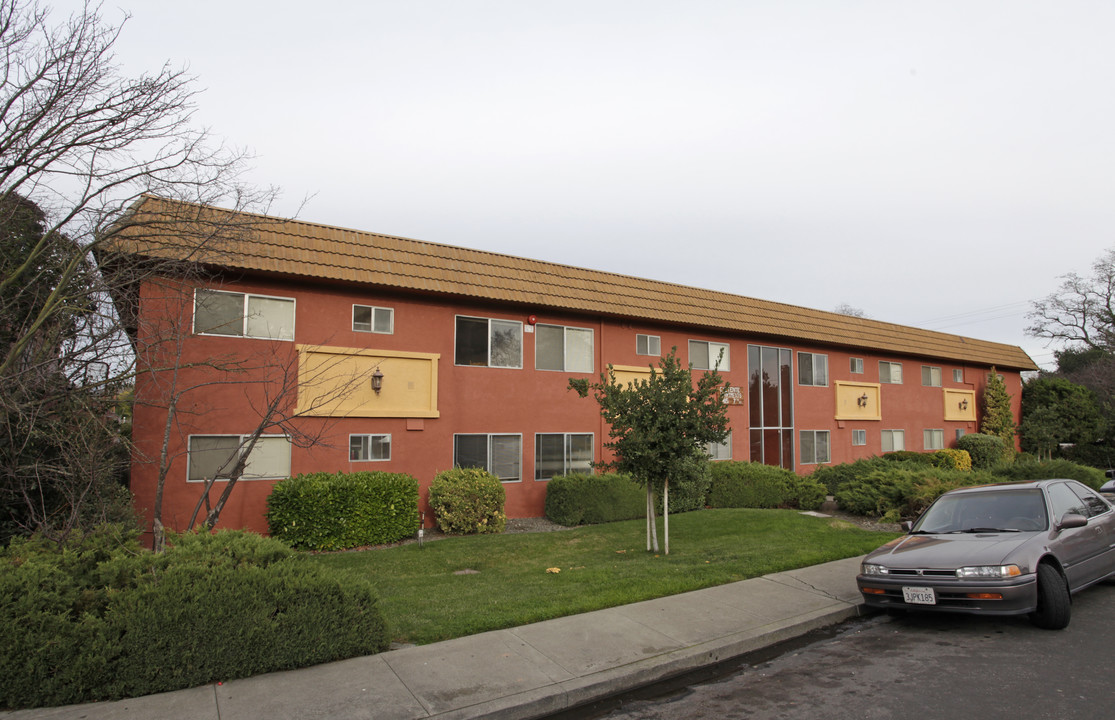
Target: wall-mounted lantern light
x=862, y=400
x=964, y=404
x=377, y=381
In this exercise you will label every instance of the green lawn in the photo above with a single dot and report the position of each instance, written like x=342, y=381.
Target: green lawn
x=424, y=600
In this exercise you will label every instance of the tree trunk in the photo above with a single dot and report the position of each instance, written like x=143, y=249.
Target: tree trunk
x=666, y=517
x=652, y=522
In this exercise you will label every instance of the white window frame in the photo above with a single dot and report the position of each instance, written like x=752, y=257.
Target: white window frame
x=248, y=328
x=809, y=449
x=456, y=327
x=566, y=347
x=888, y=438
x=712, y=350
x=567, y=448
x=856, y=365
x=366, y=446
x=817, y=364
x=648, y=345
x=894, y=370
x=491, y=437
x=958, y=375
x=374, y=310
x=859, y=437
x=932, y=373
x=933, y=439
x=263, y=441
x=720, y=451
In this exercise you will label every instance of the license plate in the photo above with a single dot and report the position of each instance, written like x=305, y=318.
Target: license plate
x=919, y=595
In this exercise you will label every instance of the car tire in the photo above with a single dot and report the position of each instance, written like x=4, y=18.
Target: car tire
x=1054, y=605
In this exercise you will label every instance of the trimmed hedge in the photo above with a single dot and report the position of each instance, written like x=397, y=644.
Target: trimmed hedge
x=755, y=485
x=335, y=511
x=104, y=619
x=581, y=499
x=468, y=500
x=986, y=451
x=953, y=459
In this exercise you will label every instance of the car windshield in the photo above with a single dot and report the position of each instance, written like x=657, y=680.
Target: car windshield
x=1014, y=510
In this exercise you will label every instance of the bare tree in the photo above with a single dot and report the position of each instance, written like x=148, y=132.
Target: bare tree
x=1082, y=310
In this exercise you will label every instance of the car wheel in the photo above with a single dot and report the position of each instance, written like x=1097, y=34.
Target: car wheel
x=1054, y=608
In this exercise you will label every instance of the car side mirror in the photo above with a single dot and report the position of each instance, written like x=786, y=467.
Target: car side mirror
x=906, y=525
x=1072, y=520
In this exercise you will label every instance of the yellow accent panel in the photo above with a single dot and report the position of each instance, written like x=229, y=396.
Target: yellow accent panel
x=960, y=405
x=858, y=401
x=629, y=373
x=337, y=382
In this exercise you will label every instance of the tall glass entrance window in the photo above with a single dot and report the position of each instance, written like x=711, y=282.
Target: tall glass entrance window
x=770, y=401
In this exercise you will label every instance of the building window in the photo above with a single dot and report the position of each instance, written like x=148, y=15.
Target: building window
x=857, y=366
x=814, y=446
x=890, y=372
x=366, y=318
x=933, y=439
x=561, y=454
x=217, y=312
x=859, y=437
x=488, y=343
x=648, y=345
x=501, y=455
x=563, y=348
x=720, y=451
x=959, y=433
x=894, y=440
x=369, y=447
x=813, y=369
x=213, y=457
x=707, y=355
x=770, y=405
x=957, y=375
x=930, y=376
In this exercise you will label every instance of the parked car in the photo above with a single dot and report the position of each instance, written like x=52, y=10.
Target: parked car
x=1007, y=549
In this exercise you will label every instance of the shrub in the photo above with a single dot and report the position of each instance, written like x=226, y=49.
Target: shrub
x=689, y=491
x=755, y=485
x=581, y=499
x=103, y=619
x=903, y=491
x=952, y=459
x=327, y=511
x=468, y=500
x=834, y=477
x=909, y=456
x=986, y=451
x=1034, y=470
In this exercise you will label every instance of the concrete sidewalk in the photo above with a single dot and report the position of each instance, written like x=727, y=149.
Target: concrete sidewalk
x=525, y=672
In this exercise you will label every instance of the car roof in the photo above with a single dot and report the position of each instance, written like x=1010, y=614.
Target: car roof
x=1017, y=485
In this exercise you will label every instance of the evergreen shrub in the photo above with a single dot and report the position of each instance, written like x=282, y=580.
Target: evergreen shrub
x=334, y=511
x=903, y=491
x=1034, y=470
x=952, y=459
x=986, y=451
x=468, y=500
x=834, y=477
x=755, y=485
x=583, y=499
x=909, y=456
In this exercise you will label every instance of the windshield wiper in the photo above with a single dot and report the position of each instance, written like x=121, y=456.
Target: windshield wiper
x=988, y=530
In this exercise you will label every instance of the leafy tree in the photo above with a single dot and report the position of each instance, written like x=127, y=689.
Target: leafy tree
x=1056, y=410
x=659, y=429
x=998, y=419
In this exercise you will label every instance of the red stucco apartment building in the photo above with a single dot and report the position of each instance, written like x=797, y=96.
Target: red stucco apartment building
x=473, y=352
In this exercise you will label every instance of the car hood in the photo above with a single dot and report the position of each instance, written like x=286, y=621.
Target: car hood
x=949, y=551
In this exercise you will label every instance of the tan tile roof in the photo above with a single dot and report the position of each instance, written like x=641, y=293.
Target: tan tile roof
x=296, y=248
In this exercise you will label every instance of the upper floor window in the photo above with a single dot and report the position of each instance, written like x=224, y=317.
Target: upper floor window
x=857, y=366
x=813, y=369
x=894, y=440
x=557, y=347
x=214, y=457
x=930, y=376
x=814, y=446
x=707, y=355
x=501, y=455
x=890, y=372
x=369, y=447
x=366, y=318
x=720, y=451
x=217, y=312
x=648, y=345
x=488, y=343
x=561, y=454
x=933, y=439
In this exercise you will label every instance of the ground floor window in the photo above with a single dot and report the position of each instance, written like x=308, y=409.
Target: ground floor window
x=934, y=439
x=720, y=451
x=814, y=446
x=859, y=437
x=214, y=457
x=561, y=454
x=501, y=455
x=894, y=440
x=369, y=447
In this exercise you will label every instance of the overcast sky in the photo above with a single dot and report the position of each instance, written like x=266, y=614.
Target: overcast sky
x=936, y=164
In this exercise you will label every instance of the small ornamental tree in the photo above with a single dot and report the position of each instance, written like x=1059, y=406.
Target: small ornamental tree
x=998, y=419
x=659, y=428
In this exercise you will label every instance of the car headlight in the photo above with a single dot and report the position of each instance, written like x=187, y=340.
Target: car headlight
x=996, y=572
x=869, y=569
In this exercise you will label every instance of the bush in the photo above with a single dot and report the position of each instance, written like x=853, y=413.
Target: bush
x=952, y=459
x=468, y=500
x=104, y=619
x=986, y=451
x=1035, y=470
x=834, y=477
x=581, y=499
x=327, y=511
x=688, y=492
x=755, y=485
x=909, y=456
x=903, y=491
